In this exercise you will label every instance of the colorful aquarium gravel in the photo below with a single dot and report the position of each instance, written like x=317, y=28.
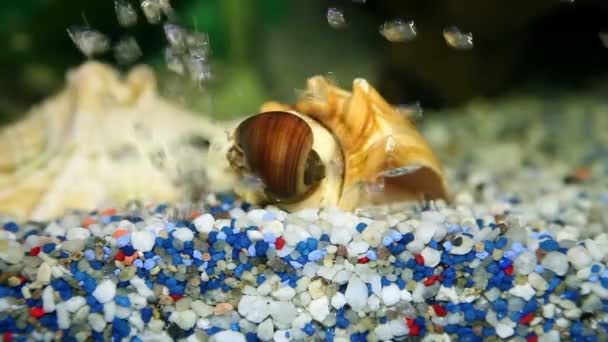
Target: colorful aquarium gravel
x=526, y=265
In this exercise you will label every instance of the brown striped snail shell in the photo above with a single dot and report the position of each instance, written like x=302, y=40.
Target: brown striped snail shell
x=334, y=147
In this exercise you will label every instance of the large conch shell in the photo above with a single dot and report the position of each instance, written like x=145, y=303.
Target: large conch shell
x=359, y=150
x=103, y=141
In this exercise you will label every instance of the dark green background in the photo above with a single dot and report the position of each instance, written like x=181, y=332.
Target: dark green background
x=265, y=49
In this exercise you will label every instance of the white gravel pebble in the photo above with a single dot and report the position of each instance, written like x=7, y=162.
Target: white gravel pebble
x=265, y=330
x=579, y=257
x=524, y=263
x=431, y=256
x=319, y=308
x=105, y=291
x=183, y=234
x=391, y=294
x=556, y=262
x=285, y=293
x=356, y=294
x=204, y=223
x=184, y=319
x=48, y=299
x=383, y=332
x=77, y=233
x=143, y=241
x=338, y=300
x=525, y=291
x=426, y=230
x=75, y=303
x=503, y=330
x=228, y=336
x=97, y=322
x=254, y=308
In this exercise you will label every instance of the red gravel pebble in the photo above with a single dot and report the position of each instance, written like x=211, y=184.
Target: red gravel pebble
x=280, y=242
x=35, y=251
x=37, y=312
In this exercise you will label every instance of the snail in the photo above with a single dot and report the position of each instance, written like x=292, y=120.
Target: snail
x=333, y=148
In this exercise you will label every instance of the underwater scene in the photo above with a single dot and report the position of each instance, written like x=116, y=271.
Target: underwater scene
x=304, y=170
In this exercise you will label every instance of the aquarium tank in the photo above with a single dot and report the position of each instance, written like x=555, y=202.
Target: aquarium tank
x=305, y=170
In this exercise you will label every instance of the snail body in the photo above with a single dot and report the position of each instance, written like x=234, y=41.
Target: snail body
x=334, y=147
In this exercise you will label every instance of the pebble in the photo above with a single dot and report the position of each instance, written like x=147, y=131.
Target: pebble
x=204, y=223
x=228, y=336
x=525, y=263
x=461, y=245
x=431, y=256
x=183, y=234
x=254, y=308
x=77, y=233
x=504, y=330
x=556, y=262
x=391, y=295
x=105, y=291
x=284, y=293
x=184, y=319
x=356, y=294
x=579, y=257
x=319, y=308
x=525, y=291
x=143, y=241
x=265, y=330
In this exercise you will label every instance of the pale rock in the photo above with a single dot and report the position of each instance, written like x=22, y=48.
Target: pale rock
x=201, y=309
x=105, y=291
x=228, y=336
x=143, y=241
x=282, y=336
x=579, y=257
x=204, y=223
x=383, y=332
x=338, y=300
x=340, y=236
x=254, y=308
x=556, y=262
x=504, y=330
x=525, y=291
x=356, y=294
x=283, y=312
x=74, y=303
x=77, y=233
x=43, y=274
x=184, y=319
x=431, y=256
x=391, y=294
x=356, y=248
x=183, y=234
x=538, y=282
x=374, y=302
x=48, y=299
x=524, y=263
x=405, y=295
x=426, y=230
x=284, y=293
x=97, y=322
x=319, y=308
x=399, y=327
x=265, y=330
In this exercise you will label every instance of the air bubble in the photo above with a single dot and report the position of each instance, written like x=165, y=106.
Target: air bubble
x=457, y=39
x=411, y=111
x=198, y=44
x=198, y=68
x=174, y=61
x=398, y=30
x=127, y=51
x=335, y=17
x=125, y=13
x=89, y=41
x=152, y=11
x=176, y=36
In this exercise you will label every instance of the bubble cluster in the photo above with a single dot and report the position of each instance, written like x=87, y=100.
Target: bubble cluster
x=125, y=13
x=335, y=17
x=127, y=51
x=188, y=52
x=457, y=39
x=90, y=42
x=398, y=30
